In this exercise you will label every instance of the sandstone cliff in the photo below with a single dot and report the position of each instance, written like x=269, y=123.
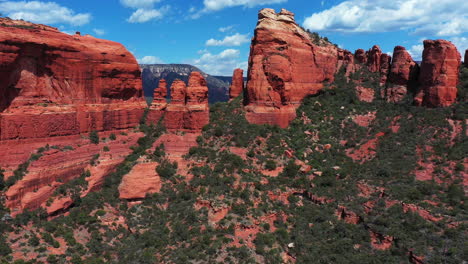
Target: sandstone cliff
x=237, y=86
x=439, y=74
x=55, y=84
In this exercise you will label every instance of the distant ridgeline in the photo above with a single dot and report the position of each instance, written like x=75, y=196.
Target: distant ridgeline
x=151, y=74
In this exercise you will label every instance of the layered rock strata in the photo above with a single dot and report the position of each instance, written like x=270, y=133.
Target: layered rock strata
x=55, y=84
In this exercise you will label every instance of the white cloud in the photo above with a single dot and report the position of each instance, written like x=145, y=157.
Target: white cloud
x=234, y=40
x=43, y=12
x=423, y=17
x=416, y=52
x=226, y=29
x=98, y=31
x=143, y=15
x=219, y=64
x=139, y=3
x=461, y=43
x=216, y=5
x=150, y=60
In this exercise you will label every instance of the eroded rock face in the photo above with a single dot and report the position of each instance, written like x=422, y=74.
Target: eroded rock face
x=402, y=77
x=188, y=109
x=197, y=90
x=237, y=86
x=282, y=69
x=141, y=180
x=439, y=74
x=360, y=56
x=54, y=84
x=373, y=59
x=160, y=93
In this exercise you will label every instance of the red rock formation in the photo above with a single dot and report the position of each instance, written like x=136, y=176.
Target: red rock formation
x=159, y=104
x=283, y=69
x=57, y=167
x=346, y=59
x=160, y=93
x=402, y=76
x=439, y=74
x=188, y=109
x=55, y=84
x=140, y=181
x=373, y=59
x=237, y=86
x=385, y=62
x=360, y=56
x=197, y=90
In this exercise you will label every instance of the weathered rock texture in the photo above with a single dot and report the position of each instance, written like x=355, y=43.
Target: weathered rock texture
x=237, y=86
x=439, y=74
x=188, y=109
x=403, y=75
x=284, y=67
x=141, y=180
x=54, y=84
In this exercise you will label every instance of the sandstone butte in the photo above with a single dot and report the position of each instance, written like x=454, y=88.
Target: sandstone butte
x=237, y=86
x=438, y=78
x=188, y=109
x=55, y=84
x=403, y=75
x=284, y=67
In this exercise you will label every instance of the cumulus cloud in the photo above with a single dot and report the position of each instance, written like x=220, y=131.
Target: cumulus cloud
x=416, y=52
x=98, y=31
x=145, y=10
x=150, y=60
x=222, y=63
x=43, y=12
x=422, y=17
x=234, y=40
x=216, y=5
x=139, y=3
x=461, y=43
x=143, y=15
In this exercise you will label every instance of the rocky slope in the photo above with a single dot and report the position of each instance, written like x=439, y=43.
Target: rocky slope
x=152, y=73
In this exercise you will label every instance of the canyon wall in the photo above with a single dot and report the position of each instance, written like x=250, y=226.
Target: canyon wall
x=55, y=84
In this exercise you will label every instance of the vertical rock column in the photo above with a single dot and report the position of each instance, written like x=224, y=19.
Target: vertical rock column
x=439, y=74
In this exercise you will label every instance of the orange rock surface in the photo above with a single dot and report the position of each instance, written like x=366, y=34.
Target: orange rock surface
x=140, y=181
x=237, y=86
x=55, y=84
x=439, y=74
x=402, y=77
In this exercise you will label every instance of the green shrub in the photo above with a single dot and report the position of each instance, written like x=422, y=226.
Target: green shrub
x=167, y=169
x=94, y=137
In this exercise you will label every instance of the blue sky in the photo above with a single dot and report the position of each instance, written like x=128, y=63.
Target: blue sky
x=215, y=34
